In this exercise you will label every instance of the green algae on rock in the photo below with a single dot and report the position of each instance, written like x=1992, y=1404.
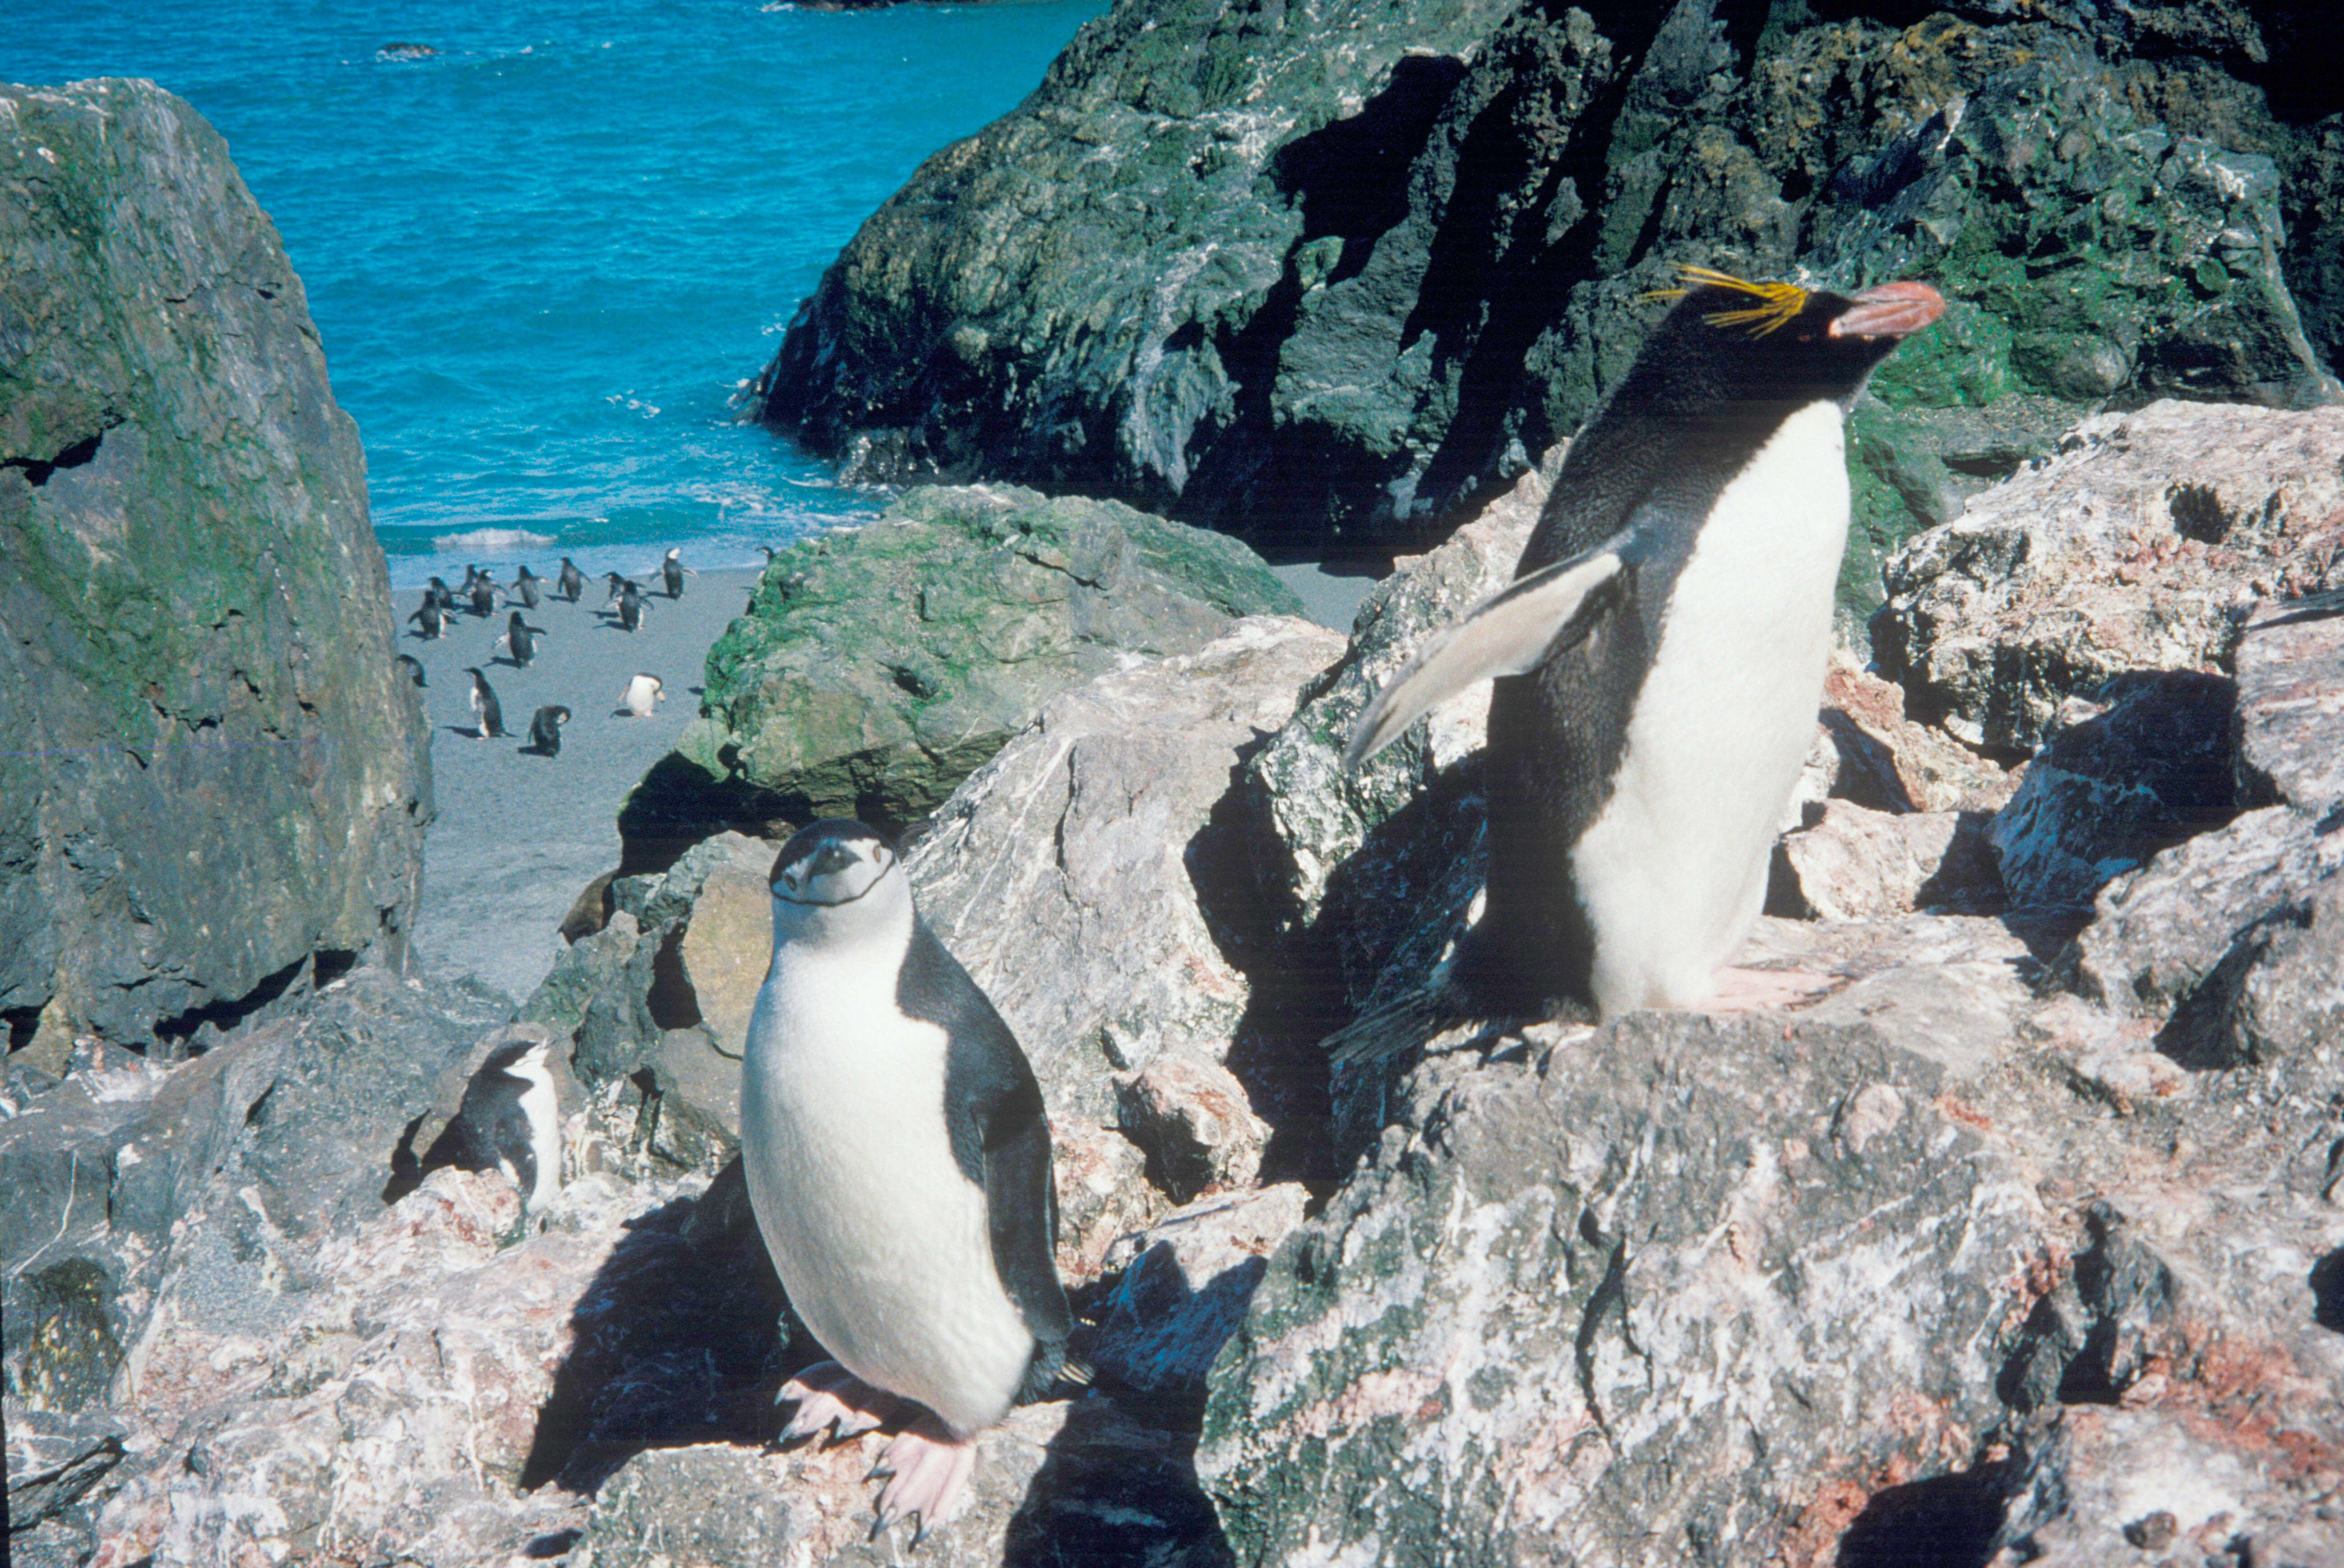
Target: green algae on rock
x=213, y=775
x=877, y=668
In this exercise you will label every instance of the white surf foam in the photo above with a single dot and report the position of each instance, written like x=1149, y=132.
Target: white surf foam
x=490, y=541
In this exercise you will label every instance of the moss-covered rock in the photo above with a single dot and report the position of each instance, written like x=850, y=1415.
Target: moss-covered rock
x=211, y=773
x=1331, y=274
x=877, y=668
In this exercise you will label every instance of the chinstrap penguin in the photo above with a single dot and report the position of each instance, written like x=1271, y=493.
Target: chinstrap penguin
x=525, y=584
x=411, y=667
x=641, y=696
x=429, y=617
x=487, y=713
x=509, y=1122
x=1659, y=656
x=632, y=605
x=482, y=588
x=898, y=1162
x=545, y=729
x=569, y=582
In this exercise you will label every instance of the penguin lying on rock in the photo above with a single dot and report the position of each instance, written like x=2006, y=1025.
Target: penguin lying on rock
x=1659, y=658
x=898, y=1162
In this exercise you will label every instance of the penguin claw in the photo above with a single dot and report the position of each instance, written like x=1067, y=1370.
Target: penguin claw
x=927, y=1470
x=829, y=1396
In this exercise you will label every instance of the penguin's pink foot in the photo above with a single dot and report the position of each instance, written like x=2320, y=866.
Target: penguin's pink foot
x=927, y=1470
x=1764, y=990
x=828, y=1395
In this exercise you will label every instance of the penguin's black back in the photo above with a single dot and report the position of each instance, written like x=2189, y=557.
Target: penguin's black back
x=1701, y=401
x=490, y=1128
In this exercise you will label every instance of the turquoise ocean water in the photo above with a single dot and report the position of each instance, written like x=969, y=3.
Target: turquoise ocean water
x=543, y=258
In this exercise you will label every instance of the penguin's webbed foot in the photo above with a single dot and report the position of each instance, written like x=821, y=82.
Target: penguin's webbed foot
x=828, y=1395
x=927, y=1472
x=1764, y=990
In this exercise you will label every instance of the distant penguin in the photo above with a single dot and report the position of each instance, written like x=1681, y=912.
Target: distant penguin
x=525, y=584
x=509, y=1122
x=483, y=591
x=569, y=582
x=618, y=583
x=439, y=594
x=545, y=729
x=642, y=695
x=520, y=641
x=487, y=714
x=1659, y=656
x=632, y=605
x=898, y=1162
x=672, y=571
x=430, y=617
x=411, y=667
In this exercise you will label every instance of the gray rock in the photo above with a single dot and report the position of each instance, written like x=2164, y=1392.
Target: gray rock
x=2136, y=548
x=1637, y=1298
x=2291, y=666
x=1185, y=1283
x=1066, y=873
x=1104, y=1194
x=196, y=609
x=1855, y=863
x=1191, y=1116
x=877, y=668
x=2151, y=766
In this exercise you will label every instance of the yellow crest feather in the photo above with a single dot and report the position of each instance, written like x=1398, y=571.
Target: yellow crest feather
x=1779, y=303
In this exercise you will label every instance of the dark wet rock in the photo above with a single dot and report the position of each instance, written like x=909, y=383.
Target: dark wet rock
x=1071, y=873
x=195, y=606
x=2145, y=764
x=1369, y=257
x=876, y=669
x=2138, y=547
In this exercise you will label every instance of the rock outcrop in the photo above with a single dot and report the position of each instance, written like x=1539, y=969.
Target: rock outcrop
x=215, y=789
x=877, y=668
x=1325, y=276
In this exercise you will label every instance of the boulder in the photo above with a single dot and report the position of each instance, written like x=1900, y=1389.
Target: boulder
x=1183, y=1287
x=1326, y=279
x=2136, y=547
x=1855, y=863
x=1070, y=873
x=1191, y=1116
x=2145, y=764
x=195, y=606
x=1650, y=1294
x=877, y=668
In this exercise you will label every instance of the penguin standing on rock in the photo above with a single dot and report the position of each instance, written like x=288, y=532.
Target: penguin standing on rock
x=487, y=713
x=898, y=1162
x=509, y=1122
x=1660, y=657
x=569, y=582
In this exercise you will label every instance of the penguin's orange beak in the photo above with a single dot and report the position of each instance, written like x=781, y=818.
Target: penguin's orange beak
x=1890, y=311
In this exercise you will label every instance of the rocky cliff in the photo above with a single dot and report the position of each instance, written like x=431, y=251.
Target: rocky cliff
x=213, y=794
x=1318, y=274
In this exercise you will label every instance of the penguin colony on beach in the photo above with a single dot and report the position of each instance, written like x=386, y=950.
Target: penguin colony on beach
x=518, y=644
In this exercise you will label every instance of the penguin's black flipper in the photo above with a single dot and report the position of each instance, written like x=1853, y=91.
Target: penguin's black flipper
x=1509, y=633
x=1000, y=1139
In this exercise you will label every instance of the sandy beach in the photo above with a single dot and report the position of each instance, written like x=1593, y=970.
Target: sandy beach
x=518, y=836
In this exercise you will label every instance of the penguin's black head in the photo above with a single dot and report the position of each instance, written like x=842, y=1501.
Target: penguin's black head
x=521, y=1058
x=1729, y=341
x=834, y=862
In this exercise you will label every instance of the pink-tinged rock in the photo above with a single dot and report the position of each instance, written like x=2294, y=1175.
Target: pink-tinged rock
x=1191, y=1118
x=1855, y=863
x=1890, y=762
x=1060, y=874
x=1103, y=1193
x=2137, y=546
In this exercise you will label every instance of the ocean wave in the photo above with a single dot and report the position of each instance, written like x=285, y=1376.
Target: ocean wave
x=488, y=542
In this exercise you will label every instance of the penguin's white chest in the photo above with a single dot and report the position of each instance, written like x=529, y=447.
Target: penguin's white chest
x=1672, y=872
x=880, y=1239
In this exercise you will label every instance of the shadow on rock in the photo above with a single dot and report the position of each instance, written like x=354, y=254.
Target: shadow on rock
x=678, y=1340
x=1945, y=1522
